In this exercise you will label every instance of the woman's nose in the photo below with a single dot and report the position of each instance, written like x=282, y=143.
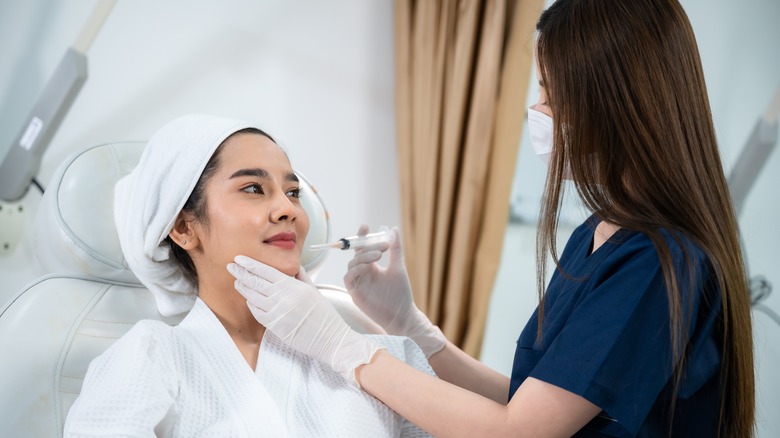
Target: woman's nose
x=283, y=209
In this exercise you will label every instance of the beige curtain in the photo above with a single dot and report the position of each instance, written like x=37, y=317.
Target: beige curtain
x=462, y=73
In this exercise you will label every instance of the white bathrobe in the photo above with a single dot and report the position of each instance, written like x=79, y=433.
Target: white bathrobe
x=191, y=380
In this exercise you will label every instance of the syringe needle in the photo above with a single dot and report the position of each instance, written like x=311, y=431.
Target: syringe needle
x=323, y=246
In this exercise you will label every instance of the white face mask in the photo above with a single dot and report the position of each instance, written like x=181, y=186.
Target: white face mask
x=540, y=128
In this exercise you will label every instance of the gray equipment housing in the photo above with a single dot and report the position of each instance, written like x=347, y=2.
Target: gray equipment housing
x=23, y=159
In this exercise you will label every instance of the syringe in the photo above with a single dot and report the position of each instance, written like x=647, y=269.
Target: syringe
x=355, y=242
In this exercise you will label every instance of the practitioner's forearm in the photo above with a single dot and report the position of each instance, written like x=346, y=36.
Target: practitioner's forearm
x=455, y=366
x=538, y=409
x=440, y=408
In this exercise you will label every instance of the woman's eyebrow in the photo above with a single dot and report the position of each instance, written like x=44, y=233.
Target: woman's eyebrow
x=262, y=173
x=256, y=172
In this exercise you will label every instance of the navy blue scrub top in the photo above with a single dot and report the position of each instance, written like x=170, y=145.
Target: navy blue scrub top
x=606, y=336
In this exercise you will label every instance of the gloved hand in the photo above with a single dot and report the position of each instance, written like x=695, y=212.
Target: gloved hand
x=385, y=294
x=299, y=315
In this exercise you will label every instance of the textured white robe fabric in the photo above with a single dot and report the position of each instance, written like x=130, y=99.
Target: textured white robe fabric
x=191, y=380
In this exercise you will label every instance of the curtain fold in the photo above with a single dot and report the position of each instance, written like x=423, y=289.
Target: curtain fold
x=462, y=73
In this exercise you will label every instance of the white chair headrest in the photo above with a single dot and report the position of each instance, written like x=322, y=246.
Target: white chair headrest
x=74, y=228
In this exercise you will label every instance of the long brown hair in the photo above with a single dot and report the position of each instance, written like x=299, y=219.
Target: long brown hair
x=632, y=126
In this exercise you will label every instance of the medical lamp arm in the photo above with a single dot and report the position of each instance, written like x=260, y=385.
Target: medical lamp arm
x=23, y=160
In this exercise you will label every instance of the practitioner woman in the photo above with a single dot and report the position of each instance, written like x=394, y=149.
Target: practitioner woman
x=205, y=190
x=644, y=328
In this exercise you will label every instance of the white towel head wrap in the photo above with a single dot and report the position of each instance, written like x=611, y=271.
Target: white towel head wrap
x=148, y=200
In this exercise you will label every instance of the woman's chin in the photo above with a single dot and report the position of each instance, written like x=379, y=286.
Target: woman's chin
x=288, y=264
x=292, y=272
x=291, y=267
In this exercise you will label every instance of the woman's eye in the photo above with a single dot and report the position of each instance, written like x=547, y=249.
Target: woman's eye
x=254, y=188
x=294, y=193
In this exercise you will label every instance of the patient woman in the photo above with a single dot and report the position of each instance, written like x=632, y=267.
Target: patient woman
x=205, y=190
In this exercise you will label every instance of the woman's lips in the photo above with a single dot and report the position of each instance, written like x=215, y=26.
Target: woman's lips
x=282, y=240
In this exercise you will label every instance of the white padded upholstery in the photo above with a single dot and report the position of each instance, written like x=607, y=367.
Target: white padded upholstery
x=51, y=330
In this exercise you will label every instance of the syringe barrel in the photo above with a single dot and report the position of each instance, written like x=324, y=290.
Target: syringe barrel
x=355, y=242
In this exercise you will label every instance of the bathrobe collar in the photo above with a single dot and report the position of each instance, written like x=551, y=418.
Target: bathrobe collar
x=219, y=353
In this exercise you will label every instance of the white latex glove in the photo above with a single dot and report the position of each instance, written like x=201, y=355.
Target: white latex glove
x=385, y=294
x=295, y=311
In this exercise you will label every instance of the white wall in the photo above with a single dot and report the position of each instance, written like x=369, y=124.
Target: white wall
x=318, y=76
x=739, y=44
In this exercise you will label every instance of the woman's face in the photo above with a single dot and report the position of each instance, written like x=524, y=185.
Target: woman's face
x=253, y=207
x=541, y=104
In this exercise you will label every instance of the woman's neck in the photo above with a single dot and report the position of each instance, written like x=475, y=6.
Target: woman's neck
x=604, y=230
x=232, y=311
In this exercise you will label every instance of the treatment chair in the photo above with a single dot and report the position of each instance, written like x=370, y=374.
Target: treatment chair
x=54, y=327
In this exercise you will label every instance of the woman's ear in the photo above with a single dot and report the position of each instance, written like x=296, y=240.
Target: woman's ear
x=183, y=232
